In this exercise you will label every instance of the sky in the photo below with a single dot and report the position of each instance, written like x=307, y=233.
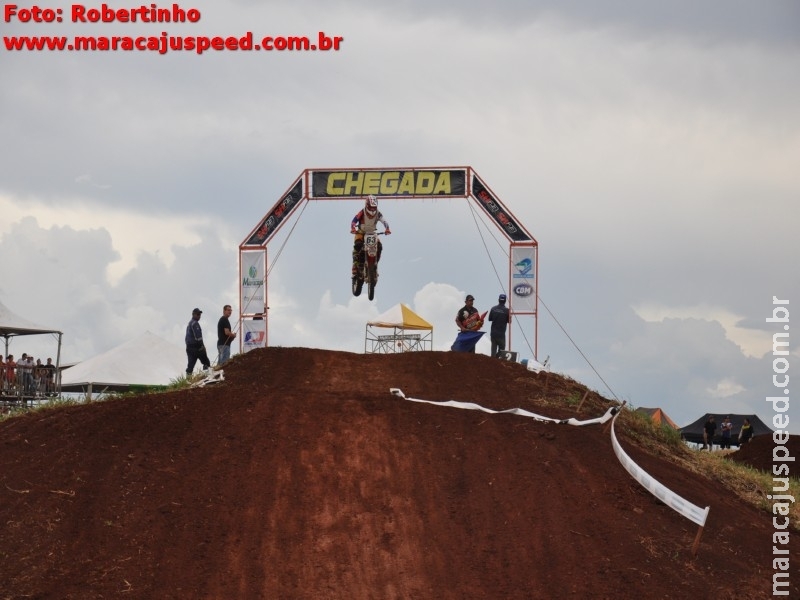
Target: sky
x=650, y=148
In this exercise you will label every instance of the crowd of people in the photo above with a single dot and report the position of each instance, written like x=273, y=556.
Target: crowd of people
x=27, y=377
x=726, y=431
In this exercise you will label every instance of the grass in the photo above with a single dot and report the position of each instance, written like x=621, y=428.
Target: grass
x=14, y=410
x=749, y=484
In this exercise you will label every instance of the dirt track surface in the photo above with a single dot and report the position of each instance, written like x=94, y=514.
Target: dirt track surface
x=301, y=476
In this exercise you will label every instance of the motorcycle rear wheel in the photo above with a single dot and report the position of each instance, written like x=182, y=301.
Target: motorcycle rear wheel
x=373, y=280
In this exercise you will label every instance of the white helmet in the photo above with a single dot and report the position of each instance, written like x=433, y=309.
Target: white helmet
x=371, y=206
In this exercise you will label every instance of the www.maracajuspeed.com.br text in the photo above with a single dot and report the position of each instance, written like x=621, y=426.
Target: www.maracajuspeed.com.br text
x=172, y=43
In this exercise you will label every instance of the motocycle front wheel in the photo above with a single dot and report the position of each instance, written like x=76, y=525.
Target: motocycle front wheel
x=357, y=285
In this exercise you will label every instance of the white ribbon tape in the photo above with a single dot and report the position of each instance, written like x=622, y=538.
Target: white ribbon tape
x=687, y=509
x=514, y=411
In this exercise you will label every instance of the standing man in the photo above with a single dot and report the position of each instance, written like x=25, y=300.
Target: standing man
x=25, y=367
x=500, y=316
x=727, y=430
x=709, y=429
x=195, y=349
x=50, y=378
x=224, y=335
x=466, y=319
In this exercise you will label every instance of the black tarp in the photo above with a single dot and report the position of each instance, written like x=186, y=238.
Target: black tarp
x=694, y=431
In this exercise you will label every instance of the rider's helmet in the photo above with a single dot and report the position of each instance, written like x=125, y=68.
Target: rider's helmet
x=371, y=206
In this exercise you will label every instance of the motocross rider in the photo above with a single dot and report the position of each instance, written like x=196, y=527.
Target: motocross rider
x=366, y=221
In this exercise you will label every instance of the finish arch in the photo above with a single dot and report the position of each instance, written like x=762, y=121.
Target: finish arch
x=385, y=183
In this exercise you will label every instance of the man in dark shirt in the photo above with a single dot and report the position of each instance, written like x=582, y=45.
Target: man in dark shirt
x=709, y=429
x=468, y=318
x=500, y=317
x=224, y=335
x=50, y=378
x=195, y=349
x=464, y=318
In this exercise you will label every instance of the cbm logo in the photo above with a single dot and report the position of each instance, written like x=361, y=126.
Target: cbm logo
x=523, y=290
x=524, y=266
x=253, y=271
x=254, y=337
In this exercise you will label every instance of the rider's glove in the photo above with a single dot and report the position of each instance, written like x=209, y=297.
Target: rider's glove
x=352, y=230
x=388, y=231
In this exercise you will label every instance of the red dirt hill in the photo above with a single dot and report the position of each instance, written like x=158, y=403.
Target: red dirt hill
x=301, y=476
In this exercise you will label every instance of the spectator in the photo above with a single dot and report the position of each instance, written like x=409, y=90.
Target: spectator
x=727, y=429
x=746, y=432
x=50, y=378
x=39, y=377
x=224, y=335
x=468, y=318
x=25, y=368
x=500, y=317
x=195, y=348
x=465, y=319
x=709, y=429
x=11, y=372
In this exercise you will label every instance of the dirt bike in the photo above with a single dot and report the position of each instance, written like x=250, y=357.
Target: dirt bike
x=368, y=266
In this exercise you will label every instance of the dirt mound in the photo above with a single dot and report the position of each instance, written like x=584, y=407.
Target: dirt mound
x=757, y=453
x=301, y=476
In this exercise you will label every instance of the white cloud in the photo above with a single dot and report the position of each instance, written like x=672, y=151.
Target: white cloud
x=751, y=342
x=725, y=389
x=133, y=232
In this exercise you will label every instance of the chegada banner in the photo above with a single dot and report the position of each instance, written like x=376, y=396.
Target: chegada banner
x=393, y=183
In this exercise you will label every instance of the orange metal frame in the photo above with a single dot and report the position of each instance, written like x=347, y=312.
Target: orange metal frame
x=389, y=187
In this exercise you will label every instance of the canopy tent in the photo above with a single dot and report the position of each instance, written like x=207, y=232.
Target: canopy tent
x=147, y=361
x=12, y=325
x=694, y=431
x=401, y=320
x=658, y=416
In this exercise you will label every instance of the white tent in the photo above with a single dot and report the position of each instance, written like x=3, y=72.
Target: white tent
x=409, y=332
x=11, y=326
x=145, y=361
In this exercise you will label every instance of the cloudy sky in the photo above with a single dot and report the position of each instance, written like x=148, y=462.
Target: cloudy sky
x=652, y=150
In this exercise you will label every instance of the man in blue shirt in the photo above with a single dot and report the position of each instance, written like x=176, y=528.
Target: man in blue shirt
x=500, y=316
x=195, y=349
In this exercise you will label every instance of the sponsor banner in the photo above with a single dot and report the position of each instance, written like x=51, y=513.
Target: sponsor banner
x=411, y=182
x=684, y=507
x=498, y=212
x=254, y=334
x=523, y=278
x=253, y=284
x=279, y=212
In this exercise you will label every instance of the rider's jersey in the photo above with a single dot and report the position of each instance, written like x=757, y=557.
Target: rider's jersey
x=368, y=225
